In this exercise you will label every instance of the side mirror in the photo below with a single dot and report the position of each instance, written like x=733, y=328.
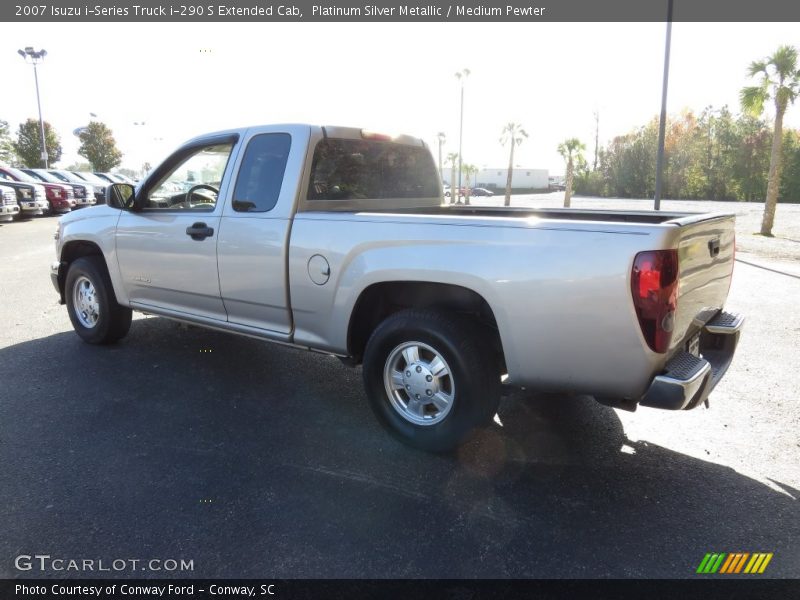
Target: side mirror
x=120, y=195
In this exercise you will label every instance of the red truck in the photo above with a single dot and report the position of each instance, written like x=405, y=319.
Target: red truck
x=60, y=197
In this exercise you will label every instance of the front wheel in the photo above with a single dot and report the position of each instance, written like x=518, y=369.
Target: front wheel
x=430, y=379
x=91, y=304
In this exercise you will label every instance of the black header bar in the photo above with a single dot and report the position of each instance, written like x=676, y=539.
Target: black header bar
x=704, y=588
x=396, y=11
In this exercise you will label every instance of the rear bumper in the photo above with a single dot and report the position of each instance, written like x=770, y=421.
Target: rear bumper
x=688, y=379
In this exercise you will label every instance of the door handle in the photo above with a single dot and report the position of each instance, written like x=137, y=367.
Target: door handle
x=199, y=231
x=713, y=247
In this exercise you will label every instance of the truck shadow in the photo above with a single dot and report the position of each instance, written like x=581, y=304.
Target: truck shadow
x=214, y=448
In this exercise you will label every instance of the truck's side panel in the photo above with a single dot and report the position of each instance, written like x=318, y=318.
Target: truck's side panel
x=252, y=246
x=528, y=274
x=186, y=281
x=97, y=226
x=162, y=267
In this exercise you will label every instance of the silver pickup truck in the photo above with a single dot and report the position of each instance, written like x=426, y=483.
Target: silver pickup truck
x=336, y=240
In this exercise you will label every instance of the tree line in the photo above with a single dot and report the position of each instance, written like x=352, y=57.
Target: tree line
x=714, y=155
x=98, y=145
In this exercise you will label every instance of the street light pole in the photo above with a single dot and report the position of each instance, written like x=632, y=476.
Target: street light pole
x=441, y=138
x=36, y=56
x=663, y=120
x=462, y=76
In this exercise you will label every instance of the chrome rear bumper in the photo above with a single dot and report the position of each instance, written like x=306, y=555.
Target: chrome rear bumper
x=688, y=379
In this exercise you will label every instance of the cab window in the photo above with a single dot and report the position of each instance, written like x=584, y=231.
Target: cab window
x=261, y=173
x=345, y=169
x=193, y=184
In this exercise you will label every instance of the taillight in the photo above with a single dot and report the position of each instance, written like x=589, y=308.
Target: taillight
x=654, y=286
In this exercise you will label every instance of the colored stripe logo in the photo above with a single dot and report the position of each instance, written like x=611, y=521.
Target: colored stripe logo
x=734, y=563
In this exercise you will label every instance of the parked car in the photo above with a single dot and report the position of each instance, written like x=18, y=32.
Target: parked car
x=311, y=248
x=9, y=208
x=99, y=184
x=70, y=177
x=60, y=197
x=31, y=197
x=109, y=177
x=447, y=191
x=124, y=178
x=82, y=192
x=482, y=192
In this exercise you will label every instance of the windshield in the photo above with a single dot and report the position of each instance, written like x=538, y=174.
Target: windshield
x=20, y=175
x=111, y=177
x=42, y=176
x=91, y=178
x=66, y=176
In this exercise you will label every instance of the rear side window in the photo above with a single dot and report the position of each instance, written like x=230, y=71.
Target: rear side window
x=261, y=173
x=356, y=169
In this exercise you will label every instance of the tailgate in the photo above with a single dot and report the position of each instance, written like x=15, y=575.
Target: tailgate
x=705, y=259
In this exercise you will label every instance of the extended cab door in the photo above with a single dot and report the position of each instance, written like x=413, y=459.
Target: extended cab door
x=253, y=242
x=167, y=248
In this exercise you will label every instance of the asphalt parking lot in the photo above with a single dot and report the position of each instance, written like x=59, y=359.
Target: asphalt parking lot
x=254, y=460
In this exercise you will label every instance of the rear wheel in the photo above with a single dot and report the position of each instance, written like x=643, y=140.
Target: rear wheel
x=430, y=379
x=91, y=304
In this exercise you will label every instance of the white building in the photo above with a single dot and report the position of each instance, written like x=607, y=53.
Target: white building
x=520, y=178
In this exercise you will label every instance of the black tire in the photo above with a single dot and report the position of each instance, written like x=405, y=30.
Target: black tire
x=473, y=368
x=114, y=320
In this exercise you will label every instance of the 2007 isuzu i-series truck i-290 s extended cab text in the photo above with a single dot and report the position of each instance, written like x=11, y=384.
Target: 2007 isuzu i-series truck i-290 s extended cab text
x=335, y=239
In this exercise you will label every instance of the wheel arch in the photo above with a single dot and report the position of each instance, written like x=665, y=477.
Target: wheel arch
x=379, y=300
x=72, y=251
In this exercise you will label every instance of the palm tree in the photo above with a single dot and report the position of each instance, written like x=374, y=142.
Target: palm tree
x=571, y=150
x=452, y=158
x=780, y=82
x=515, y=134
x=469, y=171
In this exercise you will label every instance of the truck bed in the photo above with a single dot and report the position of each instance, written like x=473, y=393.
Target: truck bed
x=569, y=214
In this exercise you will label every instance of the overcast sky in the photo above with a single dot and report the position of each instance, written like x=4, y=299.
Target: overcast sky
x=187, y=79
